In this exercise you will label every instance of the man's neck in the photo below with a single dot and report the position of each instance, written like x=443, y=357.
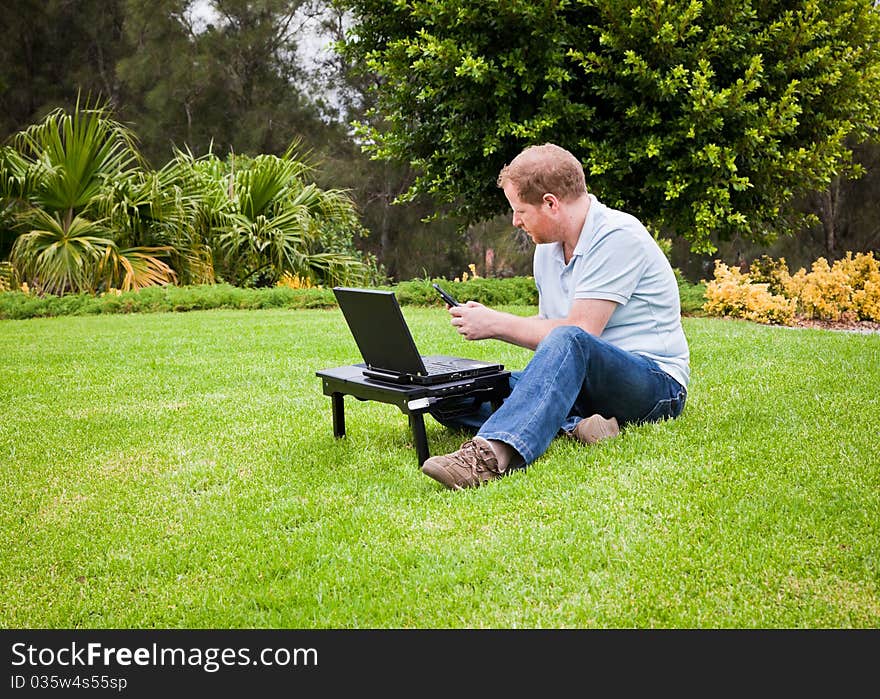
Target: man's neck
x=576, y=217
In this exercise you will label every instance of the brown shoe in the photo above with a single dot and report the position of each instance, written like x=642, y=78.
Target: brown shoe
x=472, y=465
x=595, y=428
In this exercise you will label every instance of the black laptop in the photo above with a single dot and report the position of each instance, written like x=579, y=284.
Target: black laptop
x=387, y=346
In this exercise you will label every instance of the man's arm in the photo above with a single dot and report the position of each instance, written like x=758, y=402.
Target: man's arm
x=477, y=322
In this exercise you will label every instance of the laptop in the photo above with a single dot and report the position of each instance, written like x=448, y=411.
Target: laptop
x=387, y=346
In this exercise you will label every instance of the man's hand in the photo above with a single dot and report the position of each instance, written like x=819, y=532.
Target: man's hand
x=477, y=322
x=473, y=320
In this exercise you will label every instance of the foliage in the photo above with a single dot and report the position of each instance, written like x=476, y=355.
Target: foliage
x=15, y=305
x=703, y=118
x=58, y=175
x=510, y=291
x=213, y=76
x=733, y=294
x=19, y=305
x=770, y=271
x=54, y=51
x=59, y=255
x=89, y=216
x=849, y=289
x=261, y=218
x=160, y=208
x=291, y=292
x=5, y=276
x=691, y=296
x=294, y=281
x=217, y=75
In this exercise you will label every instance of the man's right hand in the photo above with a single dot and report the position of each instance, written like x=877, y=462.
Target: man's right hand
x=473, y=320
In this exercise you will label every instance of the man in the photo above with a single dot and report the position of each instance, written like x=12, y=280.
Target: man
x=609, y=345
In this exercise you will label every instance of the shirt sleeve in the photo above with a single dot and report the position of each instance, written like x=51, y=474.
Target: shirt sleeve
x=612, y=267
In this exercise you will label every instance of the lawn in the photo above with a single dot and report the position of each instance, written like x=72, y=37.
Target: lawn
x=178, y=470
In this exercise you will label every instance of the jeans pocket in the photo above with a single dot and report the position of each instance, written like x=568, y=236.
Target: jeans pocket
x=666, y=409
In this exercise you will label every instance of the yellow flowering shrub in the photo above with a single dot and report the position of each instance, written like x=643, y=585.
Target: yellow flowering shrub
x=774, y=273
x=295, y=281
x=847, y=290
x=793, y=286
x=827, y=293
x=732, y=293
x=863, y=272
x=867, y=300
x=465, y=276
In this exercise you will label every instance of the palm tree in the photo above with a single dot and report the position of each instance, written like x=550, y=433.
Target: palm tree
x=88, y=216
x=59, y=172
x=153, y=209
x=261, y=219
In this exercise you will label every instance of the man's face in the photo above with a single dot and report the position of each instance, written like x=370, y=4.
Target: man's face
x=536, y=220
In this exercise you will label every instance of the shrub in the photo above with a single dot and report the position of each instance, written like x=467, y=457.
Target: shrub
x=732, y=293
x=5, y=276
x=773, y=273
x=19, y=305
x=826, y=292
x=863, y=272
x=509, y=291
x=847, y=290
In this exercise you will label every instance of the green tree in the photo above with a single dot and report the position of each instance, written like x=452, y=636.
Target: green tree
x=52, y=51
x=707, y=119
x=57, y=176
x=261, y=218
x=411, y=238
x=216, y=76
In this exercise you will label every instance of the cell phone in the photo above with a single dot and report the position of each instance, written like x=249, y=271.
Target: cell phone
x=446, y=297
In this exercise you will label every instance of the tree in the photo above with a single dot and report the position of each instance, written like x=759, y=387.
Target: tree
x=260, y=218
x=408, y=237
x=58, y=175
x=223, y=78
x=52, y=51
x=848, y=204
x=707, y=119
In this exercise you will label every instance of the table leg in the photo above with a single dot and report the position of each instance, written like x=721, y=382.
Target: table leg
x=338, y=414
x=417, y=424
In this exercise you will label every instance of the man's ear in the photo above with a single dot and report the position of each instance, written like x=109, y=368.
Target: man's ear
x=551, y=201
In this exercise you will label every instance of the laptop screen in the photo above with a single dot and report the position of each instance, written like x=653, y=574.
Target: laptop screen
x=379, y=329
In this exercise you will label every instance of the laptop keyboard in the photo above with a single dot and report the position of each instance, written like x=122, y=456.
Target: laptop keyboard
x=435, y=367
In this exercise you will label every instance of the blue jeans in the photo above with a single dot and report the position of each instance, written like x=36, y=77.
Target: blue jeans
x=572, y=375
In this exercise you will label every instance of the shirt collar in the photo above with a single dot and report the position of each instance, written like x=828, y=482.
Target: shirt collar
x=589, y=229
x=584, y=239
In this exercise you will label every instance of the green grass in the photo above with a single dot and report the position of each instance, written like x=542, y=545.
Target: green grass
x=179, y=470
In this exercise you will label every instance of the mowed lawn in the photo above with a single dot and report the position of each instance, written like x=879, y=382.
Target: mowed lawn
x=179, y=471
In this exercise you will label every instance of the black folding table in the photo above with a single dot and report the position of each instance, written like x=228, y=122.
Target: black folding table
x=413, y=400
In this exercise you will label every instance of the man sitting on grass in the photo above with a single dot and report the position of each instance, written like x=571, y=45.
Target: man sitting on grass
x=609, y=346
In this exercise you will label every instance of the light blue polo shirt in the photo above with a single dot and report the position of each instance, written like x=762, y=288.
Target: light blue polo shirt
x=616, y=259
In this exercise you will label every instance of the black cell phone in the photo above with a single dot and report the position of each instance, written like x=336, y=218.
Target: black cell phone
x=446, y=297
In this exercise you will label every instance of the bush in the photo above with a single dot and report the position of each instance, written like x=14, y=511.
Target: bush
x=823, y=293
x=16, y=305
x=733, y=294
x=847, y=290
x=509, y=291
